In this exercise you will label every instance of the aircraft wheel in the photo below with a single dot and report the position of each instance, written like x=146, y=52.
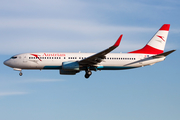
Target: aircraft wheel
x=87, y=76
x=89, y=73
x=20, y=73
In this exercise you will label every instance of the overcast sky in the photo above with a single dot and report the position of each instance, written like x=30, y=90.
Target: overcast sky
x=146, y=93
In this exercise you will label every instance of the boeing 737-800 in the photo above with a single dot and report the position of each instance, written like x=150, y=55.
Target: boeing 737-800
x=72, y=63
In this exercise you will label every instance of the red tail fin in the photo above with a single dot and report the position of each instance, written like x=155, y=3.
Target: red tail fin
x=157, y=44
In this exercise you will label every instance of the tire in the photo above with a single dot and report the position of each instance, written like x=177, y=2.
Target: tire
x=20, y=73
x=86, y=76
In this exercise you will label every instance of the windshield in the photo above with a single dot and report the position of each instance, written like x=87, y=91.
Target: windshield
x=13, y=57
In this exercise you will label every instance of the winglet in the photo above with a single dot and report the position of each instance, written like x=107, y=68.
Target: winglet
x=118, y=41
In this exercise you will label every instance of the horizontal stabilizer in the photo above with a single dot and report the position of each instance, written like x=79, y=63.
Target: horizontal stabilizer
x=163, y=54
x=152, y=57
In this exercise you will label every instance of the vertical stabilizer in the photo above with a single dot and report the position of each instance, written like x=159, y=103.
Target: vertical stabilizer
x=157, y=44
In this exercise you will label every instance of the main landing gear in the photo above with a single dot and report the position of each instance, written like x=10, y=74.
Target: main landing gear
x=88, y=73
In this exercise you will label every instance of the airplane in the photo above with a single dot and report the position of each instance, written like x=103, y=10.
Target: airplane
x=72, y=63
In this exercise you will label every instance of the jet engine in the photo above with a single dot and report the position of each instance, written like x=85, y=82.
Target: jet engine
x=70, y=66
x=63, y=72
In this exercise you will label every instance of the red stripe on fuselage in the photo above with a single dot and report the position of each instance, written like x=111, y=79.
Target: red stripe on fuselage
x=148, y=50
x=36, y=56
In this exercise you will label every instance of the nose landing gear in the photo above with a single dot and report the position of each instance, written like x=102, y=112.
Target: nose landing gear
x=88, y=73
x=20, y=73
x=18, y=69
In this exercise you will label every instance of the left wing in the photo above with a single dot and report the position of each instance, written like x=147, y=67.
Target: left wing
x=97, y=58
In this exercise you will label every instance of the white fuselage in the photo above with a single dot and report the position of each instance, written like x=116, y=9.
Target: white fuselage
x=113, y=61
x=72, y=63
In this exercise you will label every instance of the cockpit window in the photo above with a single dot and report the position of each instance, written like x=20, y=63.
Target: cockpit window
x=13, y=57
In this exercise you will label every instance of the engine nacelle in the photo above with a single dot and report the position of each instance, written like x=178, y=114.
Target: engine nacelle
x=63, y=72
x=70, y=66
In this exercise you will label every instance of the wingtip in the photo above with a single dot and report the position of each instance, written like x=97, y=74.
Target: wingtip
x=118, y=41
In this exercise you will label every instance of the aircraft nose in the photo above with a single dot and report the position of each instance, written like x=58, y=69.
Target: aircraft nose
x=6, y=62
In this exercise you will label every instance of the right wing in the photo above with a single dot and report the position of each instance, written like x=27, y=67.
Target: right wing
x=97, y=58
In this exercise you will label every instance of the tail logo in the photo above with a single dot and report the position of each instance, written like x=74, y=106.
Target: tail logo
x=162, y=38
x=36, y=56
